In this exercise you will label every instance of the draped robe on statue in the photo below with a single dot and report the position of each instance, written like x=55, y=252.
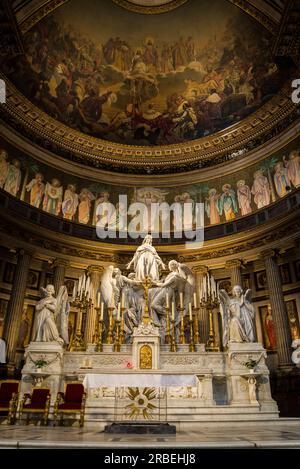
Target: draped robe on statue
x=45, y=327
x=146, y=261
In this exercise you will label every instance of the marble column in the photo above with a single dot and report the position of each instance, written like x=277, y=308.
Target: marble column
x=59, y=268
x=280, y=317
x=199, y=272
x=16, y=303
x=95, y=271
x=234, y=267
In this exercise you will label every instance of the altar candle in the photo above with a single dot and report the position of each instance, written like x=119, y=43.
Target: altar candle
x=173, y=311
x=83, y=283
x=195, y=300
x=87, y=285
x=181, y=300
x=79, y=284
x=208, y=284
x=102, y=312
x=98, y=299
x=119, y=312
x=167, y=301
x=74, y=292
x=190, y=311
x=122, y=300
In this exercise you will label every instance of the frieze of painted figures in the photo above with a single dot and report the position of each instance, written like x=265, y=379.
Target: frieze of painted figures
x=84, y=202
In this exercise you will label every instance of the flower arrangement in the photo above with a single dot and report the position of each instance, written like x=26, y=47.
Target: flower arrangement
x=251, y=364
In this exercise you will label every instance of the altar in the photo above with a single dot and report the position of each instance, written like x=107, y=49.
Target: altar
x=145, y=359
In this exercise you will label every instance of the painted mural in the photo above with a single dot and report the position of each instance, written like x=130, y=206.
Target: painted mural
x=225, y=198
x=147, y=79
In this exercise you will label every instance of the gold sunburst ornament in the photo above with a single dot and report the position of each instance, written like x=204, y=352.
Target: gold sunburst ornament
x=141, y=406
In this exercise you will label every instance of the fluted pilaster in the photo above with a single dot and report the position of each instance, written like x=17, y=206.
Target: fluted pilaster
x=200, y=271
x=280, y=317
x=59, y=269
x=15, y=306
x=95, y=272
x=234, y=268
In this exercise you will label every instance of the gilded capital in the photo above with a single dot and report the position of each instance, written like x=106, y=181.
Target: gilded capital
x=233, y=264
x=60, y=263
x=95, y=269
x=200, y=269
x=267, y=254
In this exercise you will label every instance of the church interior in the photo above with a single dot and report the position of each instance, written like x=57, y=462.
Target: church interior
x=150, y=223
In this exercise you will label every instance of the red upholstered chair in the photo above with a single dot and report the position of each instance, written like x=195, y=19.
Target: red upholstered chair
x=38, y=402
x=71, y=401
x=9, y=392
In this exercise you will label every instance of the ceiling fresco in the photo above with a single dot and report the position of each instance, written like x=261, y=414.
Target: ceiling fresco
x=147, y=80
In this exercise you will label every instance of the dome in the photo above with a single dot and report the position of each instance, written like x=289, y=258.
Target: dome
x=132, y=85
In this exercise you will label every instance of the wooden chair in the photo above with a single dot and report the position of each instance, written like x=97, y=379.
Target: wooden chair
x=9, y=393
x=38, y=402
x=71, y=401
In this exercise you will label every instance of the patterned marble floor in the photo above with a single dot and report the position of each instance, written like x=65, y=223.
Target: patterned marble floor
x=284, y=433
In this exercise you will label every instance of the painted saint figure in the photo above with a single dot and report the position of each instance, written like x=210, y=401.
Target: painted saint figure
x=293, y=168
x=53, y=197
x=84, y=209
x=36, y=187
x=270, y=329
x=244, y=197
x=281, y=180
x=228, y=203
x=13, y=178
x=261, y=189
x=212, y=206
x=70, y=202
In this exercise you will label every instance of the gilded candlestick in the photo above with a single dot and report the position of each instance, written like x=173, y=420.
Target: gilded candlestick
x=173, y=347
x=110, y=338
x=182, y=336
x=168, y=332
x=100, y=336
x=117, y=344
x=192, y=343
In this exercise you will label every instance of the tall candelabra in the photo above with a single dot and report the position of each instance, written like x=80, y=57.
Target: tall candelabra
x=209, y=304
x=83, y=304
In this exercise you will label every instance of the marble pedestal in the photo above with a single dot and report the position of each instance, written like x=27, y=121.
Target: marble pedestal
x=146, y=347
x=47, y=376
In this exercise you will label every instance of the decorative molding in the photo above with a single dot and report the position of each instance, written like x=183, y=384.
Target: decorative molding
x=210, y=150
x=39, y=14
x=257, y=14
x=150, y=9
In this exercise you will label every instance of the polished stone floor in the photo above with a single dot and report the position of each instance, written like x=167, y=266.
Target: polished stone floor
x=284, y=433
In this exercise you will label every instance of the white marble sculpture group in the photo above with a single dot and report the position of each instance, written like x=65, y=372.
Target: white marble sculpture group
x=166, y=291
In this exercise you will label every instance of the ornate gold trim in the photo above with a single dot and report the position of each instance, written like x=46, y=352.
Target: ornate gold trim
x=150, y=10
x=244, y=5
x=257, y=14
x=39, y=14
x=88, y=148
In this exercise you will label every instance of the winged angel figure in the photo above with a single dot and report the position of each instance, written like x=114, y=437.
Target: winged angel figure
x=180, y=280
x=238, y=316
x=52, y=316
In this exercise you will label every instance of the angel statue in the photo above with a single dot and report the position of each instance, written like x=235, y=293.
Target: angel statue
x=146, y=261
x=179, y=281
x=62, y=313
x=45, y=329
x=238, y=316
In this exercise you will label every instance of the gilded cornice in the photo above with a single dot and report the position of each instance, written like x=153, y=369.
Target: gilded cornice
x=150, y=10
x=205, y=174
x=209, y=150
x=45, y=9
